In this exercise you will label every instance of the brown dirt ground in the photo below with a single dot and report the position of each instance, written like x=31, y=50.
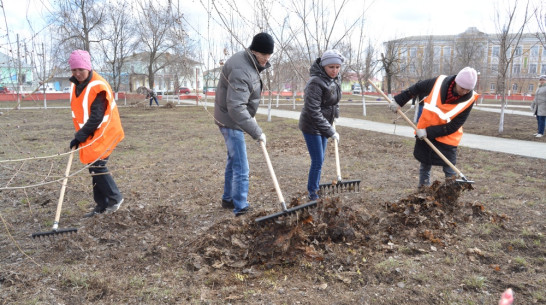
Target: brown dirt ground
x=172, y=243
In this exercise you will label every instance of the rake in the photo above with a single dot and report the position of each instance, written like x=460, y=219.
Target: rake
x=339, y=185
x=55, y=230
x=463, y=178
x=284, y=211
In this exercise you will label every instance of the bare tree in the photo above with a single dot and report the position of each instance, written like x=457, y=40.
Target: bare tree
x=154, y=23
x=394, y=60
x=510, y=31
x=470, y=50
x=117, y=41
x=540, y=15
x=78, y=22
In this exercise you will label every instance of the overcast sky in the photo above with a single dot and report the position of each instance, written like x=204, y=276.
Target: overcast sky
x=385, y=19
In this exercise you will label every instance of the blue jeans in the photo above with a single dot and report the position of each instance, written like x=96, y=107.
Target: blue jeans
x=316, y=144
x=236, y=174
x=153, y=98
x=541, y=120
x=424, y=173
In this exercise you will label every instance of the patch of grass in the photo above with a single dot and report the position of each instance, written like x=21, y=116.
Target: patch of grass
x=538, y=296
x=474, y=282
x=388, y=265
x=137, y=282
x=520, y=261
x=518, y=243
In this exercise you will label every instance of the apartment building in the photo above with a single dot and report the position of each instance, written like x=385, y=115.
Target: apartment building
x=422, y=57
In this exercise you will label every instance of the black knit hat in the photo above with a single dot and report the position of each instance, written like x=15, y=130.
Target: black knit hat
x=262, y=43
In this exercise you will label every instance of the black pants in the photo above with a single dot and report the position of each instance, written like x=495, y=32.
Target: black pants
x=105, y=190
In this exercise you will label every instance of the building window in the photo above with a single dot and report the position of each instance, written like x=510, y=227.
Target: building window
x=543, y=52
x=534, y=51
x=492, y=87
x=531, y=88
x=447, y=52
x=514, y=88
x=435, y=68
x=518, y=51
x=516, y=69
x=496, y=51
x=437, y=52
x=543, y=68
x=532, y=68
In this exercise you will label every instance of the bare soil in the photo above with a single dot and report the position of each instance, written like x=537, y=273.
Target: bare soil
x=172, y=243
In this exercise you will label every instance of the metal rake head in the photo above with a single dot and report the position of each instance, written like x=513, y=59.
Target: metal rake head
x=340, y=187
x=54, y=232
x=287, y=212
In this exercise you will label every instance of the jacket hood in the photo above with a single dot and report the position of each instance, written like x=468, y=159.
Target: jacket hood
x=318, y=70
x=255, y=63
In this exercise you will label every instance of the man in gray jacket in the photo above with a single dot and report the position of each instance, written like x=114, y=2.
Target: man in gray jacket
x=237, y=99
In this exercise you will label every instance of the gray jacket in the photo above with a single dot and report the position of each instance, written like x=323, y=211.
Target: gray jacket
x=238, y=94
x=321, y=98
x=538, y=106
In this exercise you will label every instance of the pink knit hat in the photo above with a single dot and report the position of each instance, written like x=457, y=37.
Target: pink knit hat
x=466, y=78
x=80, y=59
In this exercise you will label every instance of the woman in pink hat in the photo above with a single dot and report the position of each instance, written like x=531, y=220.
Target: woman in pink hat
x=98, y=129
x=448, y=101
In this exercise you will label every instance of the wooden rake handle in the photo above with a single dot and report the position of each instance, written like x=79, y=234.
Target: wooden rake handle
x=273, y=176
x=338, y=168
x=63, y=188
x=388, y=100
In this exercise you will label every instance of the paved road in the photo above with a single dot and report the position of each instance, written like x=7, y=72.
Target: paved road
x=534, y=149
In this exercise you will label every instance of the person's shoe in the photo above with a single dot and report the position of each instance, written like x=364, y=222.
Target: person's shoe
x=539, y=135
x=242, y=212
x=227, y=204
x=114, y=207
x=96, y=210
x=535, y=134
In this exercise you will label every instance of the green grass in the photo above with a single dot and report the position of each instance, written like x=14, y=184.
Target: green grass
x=474, y=282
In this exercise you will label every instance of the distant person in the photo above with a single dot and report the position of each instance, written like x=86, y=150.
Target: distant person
x=152, y=95
x=237, y=99
x=98, y=129
x=538, y=106
x=322, y=94
x=448, y=102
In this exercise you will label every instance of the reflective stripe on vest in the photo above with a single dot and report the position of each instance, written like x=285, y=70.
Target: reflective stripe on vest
x=109, y=132
x=435, y=113
x=85, y=103
x=434, y=99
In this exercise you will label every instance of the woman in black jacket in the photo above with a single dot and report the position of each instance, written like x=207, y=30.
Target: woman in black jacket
x=321, y=97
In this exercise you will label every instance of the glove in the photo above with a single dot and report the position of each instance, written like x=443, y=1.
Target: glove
x=74, y=143
x=262, y=139
x=336, y=137
x=421, y=133
x=412, y=106
x=393, y=106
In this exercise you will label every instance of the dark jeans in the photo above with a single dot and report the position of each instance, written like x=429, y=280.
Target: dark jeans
x=105, y=190
x=424, y=173
x=154, y=99
x=316, y=144
x=541, y=120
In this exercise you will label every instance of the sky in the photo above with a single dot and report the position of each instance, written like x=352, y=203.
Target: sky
x=385, y=19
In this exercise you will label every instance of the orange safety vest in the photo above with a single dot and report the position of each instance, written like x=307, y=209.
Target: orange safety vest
x=109, y=133
x=436, y=113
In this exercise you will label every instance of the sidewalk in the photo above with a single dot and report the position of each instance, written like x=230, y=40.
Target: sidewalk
x=509, y=146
